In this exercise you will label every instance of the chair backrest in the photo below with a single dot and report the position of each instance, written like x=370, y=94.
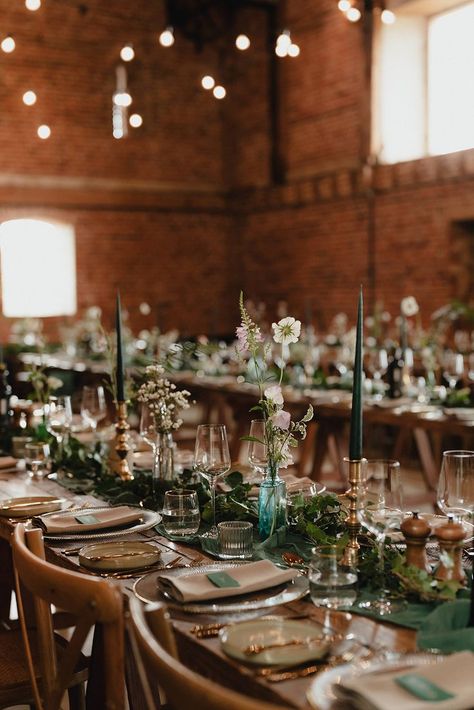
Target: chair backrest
x=90, y=600
x=153, y=639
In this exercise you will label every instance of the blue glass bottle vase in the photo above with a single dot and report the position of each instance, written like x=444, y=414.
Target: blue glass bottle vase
x=271, y=504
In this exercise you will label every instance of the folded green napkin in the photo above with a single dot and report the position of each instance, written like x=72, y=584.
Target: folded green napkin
x=446, y=628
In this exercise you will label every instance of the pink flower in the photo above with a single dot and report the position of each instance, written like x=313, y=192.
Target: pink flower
x=281, y=419
x=241, y=333
x=274, y=394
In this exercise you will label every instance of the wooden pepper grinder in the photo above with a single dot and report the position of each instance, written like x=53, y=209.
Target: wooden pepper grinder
x=416, y=532
x=450, y=537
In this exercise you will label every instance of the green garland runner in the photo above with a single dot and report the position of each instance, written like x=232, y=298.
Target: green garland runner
x=318, y=520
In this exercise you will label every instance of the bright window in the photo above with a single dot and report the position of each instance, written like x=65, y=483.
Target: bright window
x=450, y=81
x=38, y=269
x=423, y=87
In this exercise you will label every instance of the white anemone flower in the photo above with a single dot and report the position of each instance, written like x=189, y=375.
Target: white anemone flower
x=274, y=394
x=409, y=306
x=286, y=331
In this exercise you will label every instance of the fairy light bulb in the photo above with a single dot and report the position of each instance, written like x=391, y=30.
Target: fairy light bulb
x=208, y=82
x=122, y=98
x=166, y=38
x=8, y=44
x=242, y=42
x=219, y=92
x=29, y=98
x=388, y=17
x=353, y=14
x=117, y=133
x=127, y=53
x=135, y=120
x=344, y=5
x=33, y=5
x=44, y=132
x=293, y=50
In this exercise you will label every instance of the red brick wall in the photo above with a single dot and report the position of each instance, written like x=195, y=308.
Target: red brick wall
x=185, y=212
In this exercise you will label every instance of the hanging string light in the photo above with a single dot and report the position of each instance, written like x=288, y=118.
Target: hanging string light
x=43, y=132
x=242, y=42
x=33, y=5
x=135, y=120
x=219, y=92
x=166, y=38
x=208, y=82
x=8, y=44
x=121, y=99
x=285, y=47
x=29, y=98
x=127, y=53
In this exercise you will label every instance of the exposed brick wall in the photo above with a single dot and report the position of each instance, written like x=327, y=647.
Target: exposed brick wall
x=185, y=212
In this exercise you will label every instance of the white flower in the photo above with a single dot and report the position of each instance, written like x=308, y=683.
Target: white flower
x=274, y=394
x=286, y=331
x=409, y=306
x=281, y=419
x=54, y=383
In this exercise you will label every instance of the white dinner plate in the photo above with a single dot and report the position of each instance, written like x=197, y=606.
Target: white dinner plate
x=30, y=505
x=322, y=692
x=146, y=589
x=307, y=637
x=149, y=519
x=119, y=555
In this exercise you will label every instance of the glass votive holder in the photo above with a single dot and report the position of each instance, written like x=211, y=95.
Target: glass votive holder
x=37, y=459
x=235, y=540
x=181, y=517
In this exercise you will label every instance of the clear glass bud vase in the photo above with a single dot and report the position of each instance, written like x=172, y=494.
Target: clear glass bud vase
x=271, y=503
x=163, y=468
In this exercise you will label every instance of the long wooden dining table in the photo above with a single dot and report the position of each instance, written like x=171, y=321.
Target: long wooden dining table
x=203, y=655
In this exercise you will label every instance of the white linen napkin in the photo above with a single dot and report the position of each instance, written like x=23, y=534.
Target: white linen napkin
x=379, y=691
x=67, y=522
x=251, y=578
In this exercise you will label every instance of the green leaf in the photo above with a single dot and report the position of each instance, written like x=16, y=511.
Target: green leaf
x=252, y=438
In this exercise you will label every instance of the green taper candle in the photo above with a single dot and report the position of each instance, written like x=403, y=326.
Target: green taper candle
x=355, y=443
x=119, y=370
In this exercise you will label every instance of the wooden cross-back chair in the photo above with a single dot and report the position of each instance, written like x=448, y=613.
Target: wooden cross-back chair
x=90, y=601
x=154, y=647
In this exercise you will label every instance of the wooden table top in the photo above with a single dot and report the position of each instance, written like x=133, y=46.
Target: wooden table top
x=205, y=656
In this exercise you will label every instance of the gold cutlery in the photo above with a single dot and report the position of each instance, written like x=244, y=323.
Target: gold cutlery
x=254, y=649
x=31, y=504
x=118, y=555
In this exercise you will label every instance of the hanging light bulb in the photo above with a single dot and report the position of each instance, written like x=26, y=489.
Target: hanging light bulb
x=219, y=92
x=117, y=133
x=242, y=42
x=44, y=131
x=344, y=5
x=388, y=17
x=208, y=82
x=29, y=98
x=135, y=120
x=33, y=5
x=122, y=98
x=8, y=44
x=166, y=38
x=127, y=53
x=283, y=43
x=353, y=14
x=293, y=50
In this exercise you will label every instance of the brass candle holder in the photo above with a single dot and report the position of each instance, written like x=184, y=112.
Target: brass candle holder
x=351, y=553
x=122, y=446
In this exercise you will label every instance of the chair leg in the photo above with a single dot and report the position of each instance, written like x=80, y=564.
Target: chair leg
x=77, y=697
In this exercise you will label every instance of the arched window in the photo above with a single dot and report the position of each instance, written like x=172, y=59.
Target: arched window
x=38, y=268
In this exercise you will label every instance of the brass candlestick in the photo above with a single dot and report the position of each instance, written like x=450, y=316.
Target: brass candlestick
x=122, y=446
x=351, y=552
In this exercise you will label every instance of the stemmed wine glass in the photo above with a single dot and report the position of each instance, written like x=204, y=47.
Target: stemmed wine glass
x=211, y=460
x=59, y=419
x=453, y=368
x=456, y=484
x=149, y=433
x=93, y=407
x=257, y=453
x=380, y=510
